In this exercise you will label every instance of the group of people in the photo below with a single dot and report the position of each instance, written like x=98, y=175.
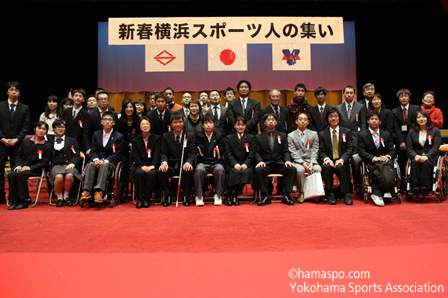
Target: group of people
x=202, y=137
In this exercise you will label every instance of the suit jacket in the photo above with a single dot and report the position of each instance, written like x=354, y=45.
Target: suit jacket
x=355, y=123
x=236, y=152
x=282, y=123
x=279, y=155
x=207, y=148
x=326, y=146
x=368, y=150
x=401, y=135
x=18, y=128
x=414, y=148
x=304, y=152
x=159, y=127
x=139, y=153
x=107, y=152
x=75, y=127
x=318, y=123
x=252, y=114
x=222, y=126
x=172, y=152
x=69, y=156
x=28, y=155
x=387, y=122
x=93, y=124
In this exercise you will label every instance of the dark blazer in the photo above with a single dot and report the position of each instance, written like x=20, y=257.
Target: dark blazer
x=18, y=128
x=279, y=155
x=368, y=150
x=414, y=148
x=69, y=156
x=222, y=126
x=252, y=114
x=139, y=155
x=355, y=124
x=326, y=147
x=93, y=124
x=400, y=135
x=28, y=155
x=107, y=152
x=387, y=122
x=318, y=123
x=207, y=148
x=75, y=127
x=236, y=151
x=158, y=127
x=282, y=123
x=172, y=152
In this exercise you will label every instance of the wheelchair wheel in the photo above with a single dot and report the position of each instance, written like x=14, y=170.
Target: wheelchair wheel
x=399, y=199
x=366, y=198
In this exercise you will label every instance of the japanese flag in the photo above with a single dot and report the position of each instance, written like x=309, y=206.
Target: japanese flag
x=291, y=57
x=164, y=58
x=228, y=57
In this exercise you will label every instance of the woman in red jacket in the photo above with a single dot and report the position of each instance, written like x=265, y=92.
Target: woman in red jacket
x=429, y=99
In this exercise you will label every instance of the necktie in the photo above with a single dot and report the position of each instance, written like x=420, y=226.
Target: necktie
x=335, y=145
x=74, y=114
x=303, y=138
x=11, y=111
x=243, y=102
x=277, y=113
x=271, y=141
x=58, y=140
x=376, y=139
x=161, y=117
x=177, y=139
x=321, y=112
x=405, y=114
x=349, y=111
x=216, y=114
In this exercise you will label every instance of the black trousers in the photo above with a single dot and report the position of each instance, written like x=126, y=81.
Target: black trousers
x=341, y=172
x=187, y=181
x=144, y=183
x=4, y=153
x=18, y=185
x=422, y=173
x=289, y=176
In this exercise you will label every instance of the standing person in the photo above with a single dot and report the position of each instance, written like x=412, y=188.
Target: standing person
x=368, y=90
x=66, y=103
x=33, y=155
x=64, y=161
x=14, y=125
x=244, y=106
x=229, y=95
x=219, y=113
x=386, y=116
x=152, y=101
x=75, y=118
x=193, y=123
x=92, y=103
x=140, y=107
x=204, y=101
x=145, y=158
x=52, y=112
x=282, y=113
x=127, y=125
x=240, y=152
x=160, y=116
x=429, y=99
x=186, y=99
x=298, y=105
x=169, y=97
x=335, y=150
x=404, y=116
x=422, y=144
x=317, y=115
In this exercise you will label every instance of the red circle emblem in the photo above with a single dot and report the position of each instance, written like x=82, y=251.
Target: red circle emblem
x=227, y=57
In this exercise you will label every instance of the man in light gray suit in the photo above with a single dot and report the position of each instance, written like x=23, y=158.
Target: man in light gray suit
x=303, y=144
x=219, y=113
x=353, y=117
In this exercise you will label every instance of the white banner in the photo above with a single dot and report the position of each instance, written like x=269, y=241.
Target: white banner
x=232, y=57
x=164, y=58
x=291, y=57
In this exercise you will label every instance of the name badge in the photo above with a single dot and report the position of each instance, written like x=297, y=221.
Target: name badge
x=39, y=152
x=344, y=137
x=80, y=123
x=382, y=142
x=430, y=140
x=149, y=152
x=169, y=127
x=404, y=127
x=113, y=147
x=356, y=117
x=73, y=149
x=246, y=145
x=185, y=142
x=279, y=139
x=308, y=145
x=253, y=112
x=214, y=152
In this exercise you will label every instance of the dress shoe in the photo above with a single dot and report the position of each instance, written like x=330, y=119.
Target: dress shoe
x=235, y=201
x=168, y=201
x=60, y=203
x=331, y=198
x=287, y=200
x=217, y=200
x=85, y=195
x=186, y=201
x=416, y=191
x=348, y=199
x=228, y=201
x=12, y=206
x=68, y=202
x=300, y=199
x=147, y=203
x=424, y=191
x=264, y=201
x=26, y=203
x=139, y=204
x=98, y=197
x=387, y=195
x=199, y=201
x=377, y=200
x=19, y=205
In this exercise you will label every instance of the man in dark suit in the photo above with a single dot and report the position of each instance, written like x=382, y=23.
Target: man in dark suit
x=186, y=98
x=94, y=119
x=174, y=143
x=160, y=117
x=219, y=113
x=335, y=150
x=14, y=125
x=105, y=152
x=272, y=157
x=368, y=90
x=375, y=146
x=404, y=117
x=275, y=108
x=75, y=117
x=244, y=106
x=318, y=114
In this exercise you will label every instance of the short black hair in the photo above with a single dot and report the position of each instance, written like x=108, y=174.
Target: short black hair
x=244, y=81
x=300, y=85
x=176, y=116
x=331, y=111
x=266, y=116
x=58, y=122
x=319, y=90
x=208, y=117
x=373, y=113
x=13, y=84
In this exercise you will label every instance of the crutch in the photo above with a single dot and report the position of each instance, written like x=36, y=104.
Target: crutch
x=184, y=145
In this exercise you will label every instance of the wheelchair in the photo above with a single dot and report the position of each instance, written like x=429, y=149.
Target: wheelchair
x=366, y=184
x=439, y=180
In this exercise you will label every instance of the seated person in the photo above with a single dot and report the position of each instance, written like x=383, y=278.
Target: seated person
x=177, y=144
x=210, y=146
x=335, y=149
x=303, y=146
x=376, y=145
x=105, y=151
x=33, y=156
x=64, y=160
x=422, y=145
x=145, y=158
x=239, y=156
x=272, y=157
